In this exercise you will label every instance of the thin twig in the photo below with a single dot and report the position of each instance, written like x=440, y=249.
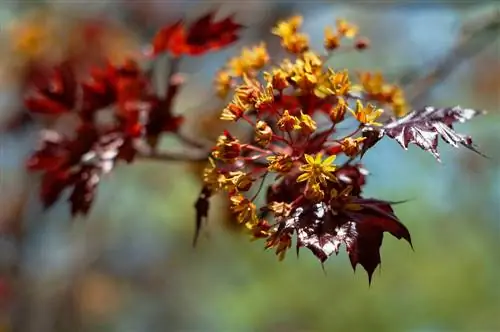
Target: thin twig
x=174, y=156
x=475, y=37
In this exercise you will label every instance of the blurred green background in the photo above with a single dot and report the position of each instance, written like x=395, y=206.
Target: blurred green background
x=130, y=267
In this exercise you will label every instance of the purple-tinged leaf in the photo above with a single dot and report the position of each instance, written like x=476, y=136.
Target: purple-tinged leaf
x=423, y=127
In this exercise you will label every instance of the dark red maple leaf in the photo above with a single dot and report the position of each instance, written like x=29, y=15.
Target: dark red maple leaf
x=54, y=93
x=354, y=176
x=423, y=128
x=323, y=228
x=202, y=206
x=78, y=163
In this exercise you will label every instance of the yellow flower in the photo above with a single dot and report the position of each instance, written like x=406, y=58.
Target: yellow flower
x=211, y=176
x=264, y=98
x=258, y=57
x=317, y=170
x=314, y=192
x=244, y=209
x=248, y=91
x=346, y=29
x=223, y=83
x=296, y=43
x=338, y=111
x=278, y=78
x=367, y=114
x=238, y=66
x=288, y=122
x=280, y=163
x=288, y=27
x=307, y=71
x=263, y=133
x=340, y=83
x=234, y=110
x=239, y=180
x=227, y=148
x=331, y=40
x=280, y=209
x=351, y=146
x=307, y=124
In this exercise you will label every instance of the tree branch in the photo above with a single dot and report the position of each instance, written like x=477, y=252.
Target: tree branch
x=476, y=35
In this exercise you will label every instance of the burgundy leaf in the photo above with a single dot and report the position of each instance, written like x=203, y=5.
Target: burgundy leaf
x=202, y=206
x=52, y=186
x=323, y=229
x=83, y=193
x=54, y=95
x=423, y=128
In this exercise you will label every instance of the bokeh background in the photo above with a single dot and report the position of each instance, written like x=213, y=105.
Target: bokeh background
x=130, y=266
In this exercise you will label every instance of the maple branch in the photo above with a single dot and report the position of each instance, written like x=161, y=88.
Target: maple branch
x=475, y=37
x=174, y=156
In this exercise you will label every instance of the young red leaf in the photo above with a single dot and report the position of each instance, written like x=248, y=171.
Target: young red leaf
x=206, y=35
x=83, y=193
x=55, y=94
x=164, y=39
x=422, y=127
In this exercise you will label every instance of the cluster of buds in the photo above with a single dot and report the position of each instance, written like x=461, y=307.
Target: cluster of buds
x=294, y=110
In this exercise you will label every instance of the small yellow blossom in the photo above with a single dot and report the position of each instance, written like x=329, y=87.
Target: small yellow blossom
x=288, y=122
x=248, y=91
x=367, y=114
x=239, y=180
x=351, y=146
x=211, y=176
x=307, y=71
x=337, y=112
x=234, y=110
x=223, y=82
x=317, y=170
x=331, y=40
x=264, y=98
x=238, y=66
x=346, y=29
x=227, y=148
x=288, y=27
x=280, y=209
x=307, y=124
x=314, y=192
x=244, y=209
x=278, y=78
x=281, y=243
x=258, y=57
x=296, y=43
x=263, y=133
x=340, y=82
x=280, y=163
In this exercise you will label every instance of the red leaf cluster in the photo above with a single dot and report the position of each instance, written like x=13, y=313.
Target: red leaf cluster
x=125, y=93
x=202, y=36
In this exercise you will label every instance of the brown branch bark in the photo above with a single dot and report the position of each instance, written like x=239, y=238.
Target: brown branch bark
x=476, y=35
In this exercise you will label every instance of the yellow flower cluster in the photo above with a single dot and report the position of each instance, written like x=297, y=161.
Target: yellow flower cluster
x=280, y=102
x=374, y=85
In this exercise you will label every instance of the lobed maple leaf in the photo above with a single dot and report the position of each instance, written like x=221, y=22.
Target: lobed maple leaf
x=204, y=35
x=423, y=127
x=55, y=93
x=78, y=164
x=323, y=229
